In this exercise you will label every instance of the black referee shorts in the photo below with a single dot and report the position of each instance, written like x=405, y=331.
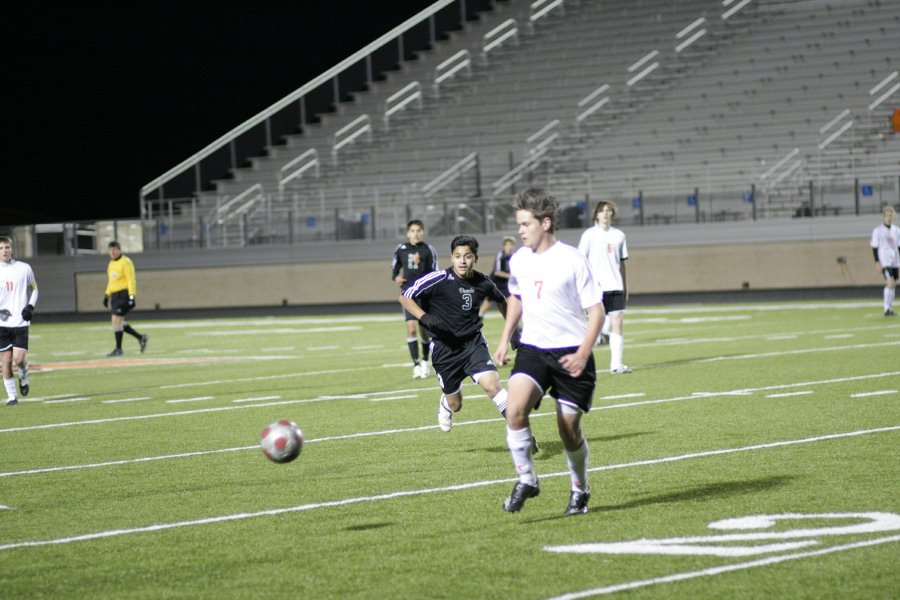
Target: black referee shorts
x=543, y=367
x=118, y=303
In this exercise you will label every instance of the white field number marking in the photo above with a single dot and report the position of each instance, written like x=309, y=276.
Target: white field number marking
x=728, y=545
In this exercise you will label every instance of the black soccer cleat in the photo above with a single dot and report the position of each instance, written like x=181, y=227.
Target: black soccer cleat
x=24, y=388
x=578, y=503
x=143, y=342
x=12, y=401
x=889, y=313
x=520, y=493
x=116, y=352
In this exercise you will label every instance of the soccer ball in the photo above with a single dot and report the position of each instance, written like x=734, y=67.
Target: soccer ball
x=282, y=441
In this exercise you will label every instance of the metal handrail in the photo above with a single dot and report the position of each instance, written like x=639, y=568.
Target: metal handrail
x=449, y=68
x=313, y=161
x=398, y=101
x=294, y=96
x=225, y=207
x=499, y=34
x=515, y=174
x=354, y=129
x=441, y=181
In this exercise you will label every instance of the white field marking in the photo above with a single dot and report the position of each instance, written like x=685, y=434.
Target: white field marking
x=118, y=400
x=261, y=378
x=393, y=398
x=838, y=336
x=4, y=507
x=318, y=348
x=695, y=396
x=257, y=399
x=620, y=396
x=195, y=399
x=866, y=394
x=278, y=349
x=692, y=320
x=79, y=399
x=776, y=338
x=333, y=438
x=70, y=353
x=789, y=394
x=291, y=330
x=412, y=493
x=761, y=562
x=794, y=352
x=372, y=347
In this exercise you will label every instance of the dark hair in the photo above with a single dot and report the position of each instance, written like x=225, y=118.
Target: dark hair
x=6, y=238
x=464, y=240
x=114, y=244
x=612, y=206
x=415, y=222
x=541, y=204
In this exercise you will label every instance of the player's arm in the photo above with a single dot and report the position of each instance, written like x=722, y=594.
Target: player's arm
x=396, y=268
x=128, y=269
x=28, y=311
x=576, y=362
x=513, y=310
x=428, y=320
x=624, y=278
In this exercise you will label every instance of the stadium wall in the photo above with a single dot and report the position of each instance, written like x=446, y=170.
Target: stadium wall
x=795, y=254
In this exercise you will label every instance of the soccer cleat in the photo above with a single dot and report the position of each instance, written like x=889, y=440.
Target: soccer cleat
x=424, y=370
x=116, y=352
x=143, y=342
x=889, y=313
x=534, y=446
x=23, y=386
x=416, y=371
x=603, y=340
x=578, y=503
x=520, y=493
x=620, y=370
x=445, y=417
x=12, y=401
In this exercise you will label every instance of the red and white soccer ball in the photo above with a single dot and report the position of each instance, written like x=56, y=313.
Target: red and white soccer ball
x=282, y=441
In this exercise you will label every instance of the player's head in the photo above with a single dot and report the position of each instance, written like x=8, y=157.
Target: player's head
x=605, y=212
x=463, y=255
x=888, y=214
x=415, y=231
x=114, y=249
x=509, y=244
x=537, y=215
x=5, y=248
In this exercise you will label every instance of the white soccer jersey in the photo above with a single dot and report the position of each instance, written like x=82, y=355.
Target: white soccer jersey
x=886, y=240
x=16, y=279
x=605, y=250
x=556, y=287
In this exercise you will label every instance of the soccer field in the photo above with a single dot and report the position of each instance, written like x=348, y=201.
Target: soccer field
x=754, y=452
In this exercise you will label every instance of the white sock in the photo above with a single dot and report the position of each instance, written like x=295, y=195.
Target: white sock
x=10, y=385
x=23, y=373
x=500, y=401
x=519, y=443
x=616, y=346
x=888, y=298
x=607, y=322
x=578, y=465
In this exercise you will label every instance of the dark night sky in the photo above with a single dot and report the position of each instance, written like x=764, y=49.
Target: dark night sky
x=100, y=98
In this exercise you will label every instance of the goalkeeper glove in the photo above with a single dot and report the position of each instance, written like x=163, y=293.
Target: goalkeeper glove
x=105, y=301
x=28, y=312
x=130, y=301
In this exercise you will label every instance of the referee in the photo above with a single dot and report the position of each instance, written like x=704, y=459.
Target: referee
x=119, y=297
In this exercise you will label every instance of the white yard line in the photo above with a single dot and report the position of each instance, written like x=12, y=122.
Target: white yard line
x=762, y=562
x=879, y=393
x=411, y=493
x=789, y=394
x=117, y=401
x=694, y=396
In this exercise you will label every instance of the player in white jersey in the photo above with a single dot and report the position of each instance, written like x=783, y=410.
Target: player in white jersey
x=607, y=251
x=551, y=287
x=886, y=249
x=16, y=309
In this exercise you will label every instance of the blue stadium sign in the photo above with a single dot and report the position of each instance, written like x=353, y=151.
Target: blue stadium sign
x=636, y=202
x=692, y=200
x=866, y=190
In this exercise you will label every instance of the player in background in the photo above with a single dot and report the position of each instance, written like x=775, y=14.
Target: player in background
x=18, y=297
x=121, y=289
x=411, y=261
x=551, y=288
x=500, y=272
x=446, y=303
x=606, y=251
x=886, y=249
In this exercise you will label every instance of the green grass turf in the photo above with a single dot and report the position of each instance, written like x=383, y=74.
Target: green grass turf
x=175, y=500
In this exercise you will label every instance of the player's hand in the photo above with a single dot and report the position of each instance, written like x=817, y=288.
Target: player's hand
x=28, y=312
x=573, y=364
x=431, y=322
x=500, y=355
x=105, y=301
x=400, y=280
x=130, y=301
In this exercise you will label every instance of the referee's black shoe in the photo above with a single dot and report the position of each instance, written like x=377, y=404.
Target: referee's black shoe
x=520, y=493
x=143, y=342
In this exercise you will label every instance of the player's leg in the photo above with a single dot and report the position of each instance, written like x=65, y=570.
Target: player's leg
x=490, y=383
x=426, y=343
x=21, y=362
x=616, y=342
x=890, y=285
x=524, y=393
x=574, y=399
x=117, y=327
x=449, y=369
x=141, y=338
x=412, y=342
x=9, y=381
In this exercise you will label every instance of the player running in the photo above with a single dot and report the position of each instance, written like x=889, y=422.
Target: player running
x=16, y=309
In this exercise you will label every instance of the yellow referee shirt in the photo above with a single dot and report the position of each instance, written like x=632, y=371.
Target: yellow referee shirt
x=121, y=276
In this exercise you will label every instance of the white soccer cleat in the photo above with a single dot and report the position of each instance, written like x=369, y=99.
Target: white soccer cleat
x=620, y=370
x=445, y=417
x=424, y=370
x=416, y=371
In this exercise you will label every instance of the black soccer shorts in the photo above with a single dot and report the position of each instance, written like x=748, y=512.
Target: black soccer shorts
x=452, y=365
x=13, y=337
x=118, y=303
x=543, y=367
